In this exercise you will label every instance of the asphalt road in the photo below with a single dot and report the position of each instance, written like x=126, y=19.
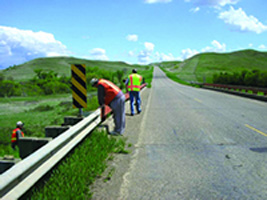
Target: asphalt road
x=198, y=144
x=195, y=144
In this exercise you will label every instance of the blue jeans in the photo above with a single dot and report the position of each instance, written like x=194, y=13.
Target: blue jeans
x=118, y=109
x=135, y=95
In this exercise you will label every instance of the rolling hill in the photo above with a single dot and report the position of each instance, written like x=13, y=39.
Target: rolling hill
x=60, y=65
x=198, y=68
x=201, y=67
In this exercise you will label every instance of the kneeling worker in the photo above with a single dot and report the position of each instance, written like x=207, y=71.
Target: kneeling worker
x=110, y=94
x=16, y=134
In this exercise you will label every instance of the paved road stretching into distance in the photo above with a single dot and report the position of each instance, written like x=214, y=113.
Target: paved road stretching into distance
x=198, y=144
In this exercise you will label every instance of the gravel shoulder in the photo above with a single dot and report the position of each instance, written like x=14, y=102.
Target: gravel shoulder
x=108, y=186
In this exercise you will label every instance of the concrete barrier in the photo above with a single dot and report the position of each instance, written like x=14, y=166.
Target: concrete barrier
x=54, y=131
x=28, y=145
x=7, y=162
x=71, y=120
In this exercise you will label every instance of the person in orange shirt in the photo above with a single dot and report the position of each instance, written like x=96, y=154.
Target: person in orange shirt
x=110, y=94
x=17, y=134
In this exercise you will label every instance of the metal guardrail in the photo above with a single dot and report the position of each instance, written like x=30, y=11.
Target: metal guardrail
x=21, y=177
x=254, y=90
x=239, y=90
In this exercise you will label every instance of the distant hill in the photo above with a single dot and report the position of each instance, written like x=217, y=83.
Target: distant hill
x=60, y=65
x=204, y=65
x=199, y=67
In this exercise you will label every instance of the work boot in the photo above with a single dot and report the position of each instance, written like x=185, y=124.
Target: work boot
x=114, y=133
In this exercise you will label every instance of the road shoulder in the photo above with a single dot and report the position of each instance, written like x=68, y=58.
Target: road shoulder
x=108, y=185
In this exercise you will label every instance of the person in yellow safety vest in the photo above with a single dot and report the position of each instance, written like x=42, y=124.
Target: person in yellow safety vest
x=133, y=84
x=16, y=134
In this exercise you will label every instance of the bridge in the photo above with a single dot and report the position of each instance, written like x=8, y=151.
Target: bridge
x=190, y=143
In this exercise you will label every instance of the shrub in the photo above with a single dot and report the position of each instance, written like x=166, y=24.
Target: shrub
x=253, y=78
x=9, y=88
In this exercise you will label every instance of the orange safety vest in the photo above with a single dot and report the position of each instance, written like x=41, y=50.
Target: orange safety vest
x=14, y=135
x=111, y=90
x=134, y=83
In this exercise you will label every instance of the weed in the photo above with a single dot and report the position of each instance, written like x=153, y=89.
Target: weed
x=110, y=174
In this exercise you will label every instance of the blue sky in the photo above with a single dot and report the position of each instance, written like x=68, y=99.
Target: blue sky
x=133, y=31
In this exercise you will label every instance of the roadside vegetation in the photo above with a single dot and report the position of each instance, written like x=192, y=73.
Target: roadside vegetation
x=254, y=78
x=43, y=96
x=39, y=94
x=71, y=179
x=174, y=76
x=247, y=67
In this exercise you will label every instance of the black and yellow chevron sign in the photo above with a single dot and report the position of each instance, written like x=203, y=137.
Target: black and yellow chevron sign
x=78, y=81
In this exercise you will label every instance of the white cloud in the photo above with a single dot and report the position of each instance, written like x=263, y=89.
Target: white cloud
x=131, y=53
x=157, y=1
x=187, y=53
x=216, y=47
x=240, y=21
x=18, y=46
x=213, y=3
x=149, y=46
x=98, y=54
x=144, y=56
x=132, y=38
x=262, y=46
x=164, y=57
x=194, y=10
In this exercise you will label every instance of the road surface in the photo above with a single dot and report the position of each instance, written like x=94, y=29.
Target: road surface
x=192, y=144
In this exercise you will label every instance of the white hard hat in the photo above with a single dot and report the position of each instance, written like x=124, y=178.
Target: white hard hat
x=94, y=81
x=19, y=123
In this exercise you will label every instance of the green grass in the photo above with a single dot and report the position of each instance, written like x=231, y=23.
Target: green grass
x=71, y=179
x=174, y=76
x=200, y=68
x=36, y=113
x=41, y=111
x=62, y=66
x=148, y=76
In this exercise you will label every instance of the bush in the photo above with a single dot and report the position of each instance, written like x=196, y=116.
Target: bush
x=253, y=78
x=9, y=88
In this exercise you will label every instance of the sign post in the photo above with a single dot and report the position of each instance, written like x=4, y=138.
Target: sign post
x=78, y=86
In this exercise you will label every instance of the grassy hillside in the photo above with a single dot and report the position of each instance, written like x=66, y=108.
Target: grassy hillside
x=60, y=65
x=203, y=66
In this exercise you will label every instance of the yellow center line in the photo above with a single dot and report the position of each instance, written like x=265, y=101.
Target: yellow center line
x=254, y=129
x=197, y=100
